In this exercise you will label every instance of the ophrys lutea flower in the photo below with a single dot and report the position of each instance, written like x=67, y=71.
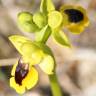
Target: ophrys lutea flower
x=74, y=18
x=24, y=73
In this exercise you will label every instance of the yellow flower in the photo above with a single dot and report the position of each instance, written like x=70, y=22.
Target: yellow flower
x=23, y=77
x=74, y=18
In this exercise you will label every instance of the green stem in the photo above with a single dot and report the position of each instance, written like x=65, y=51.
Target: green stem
x=46, y=32
x=54, y=84
x=43, y=35
x=56, y=90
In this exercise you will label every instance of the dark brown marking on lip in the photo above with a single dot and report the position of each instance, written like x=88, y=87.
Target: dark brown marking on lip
x=74, y=15
x=21, y=71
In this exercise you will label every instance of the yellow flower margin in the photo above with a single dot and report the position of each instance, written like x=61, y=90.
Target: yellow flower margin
x=32, y=53
x=27, y=83
x=74, y=27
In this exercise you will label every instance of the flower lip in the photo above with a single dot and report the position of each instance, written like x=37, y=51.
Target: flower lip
x=21, y=71
x=74, y=15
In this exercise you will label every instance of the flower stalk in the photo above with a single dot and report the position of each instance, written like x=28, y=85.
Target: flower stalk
x=55, y=87
x=54, y=84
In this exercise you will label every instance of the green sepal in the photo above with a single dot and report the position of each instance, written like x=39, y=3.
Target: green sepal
x=55, y=19
x=43, y=34
x=40, y=19
x=61, y=38
x=27, y=48
x=18, y=41
x=48, y=63
x=21, y=43
x=25, y=22
x=46, y=6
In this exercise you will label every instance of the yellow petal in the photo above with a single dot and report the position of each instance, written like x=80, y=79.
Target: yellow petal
x=47, y=65
x=76, y=29
x=64, y=7
x=31, y=78
x=19, y=89
x=14, y=69
x=85, y=22
x=13, y=83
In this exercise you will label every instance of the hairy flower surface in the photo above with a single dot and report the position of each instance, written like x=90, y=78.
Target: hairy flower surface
x=74, y=18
